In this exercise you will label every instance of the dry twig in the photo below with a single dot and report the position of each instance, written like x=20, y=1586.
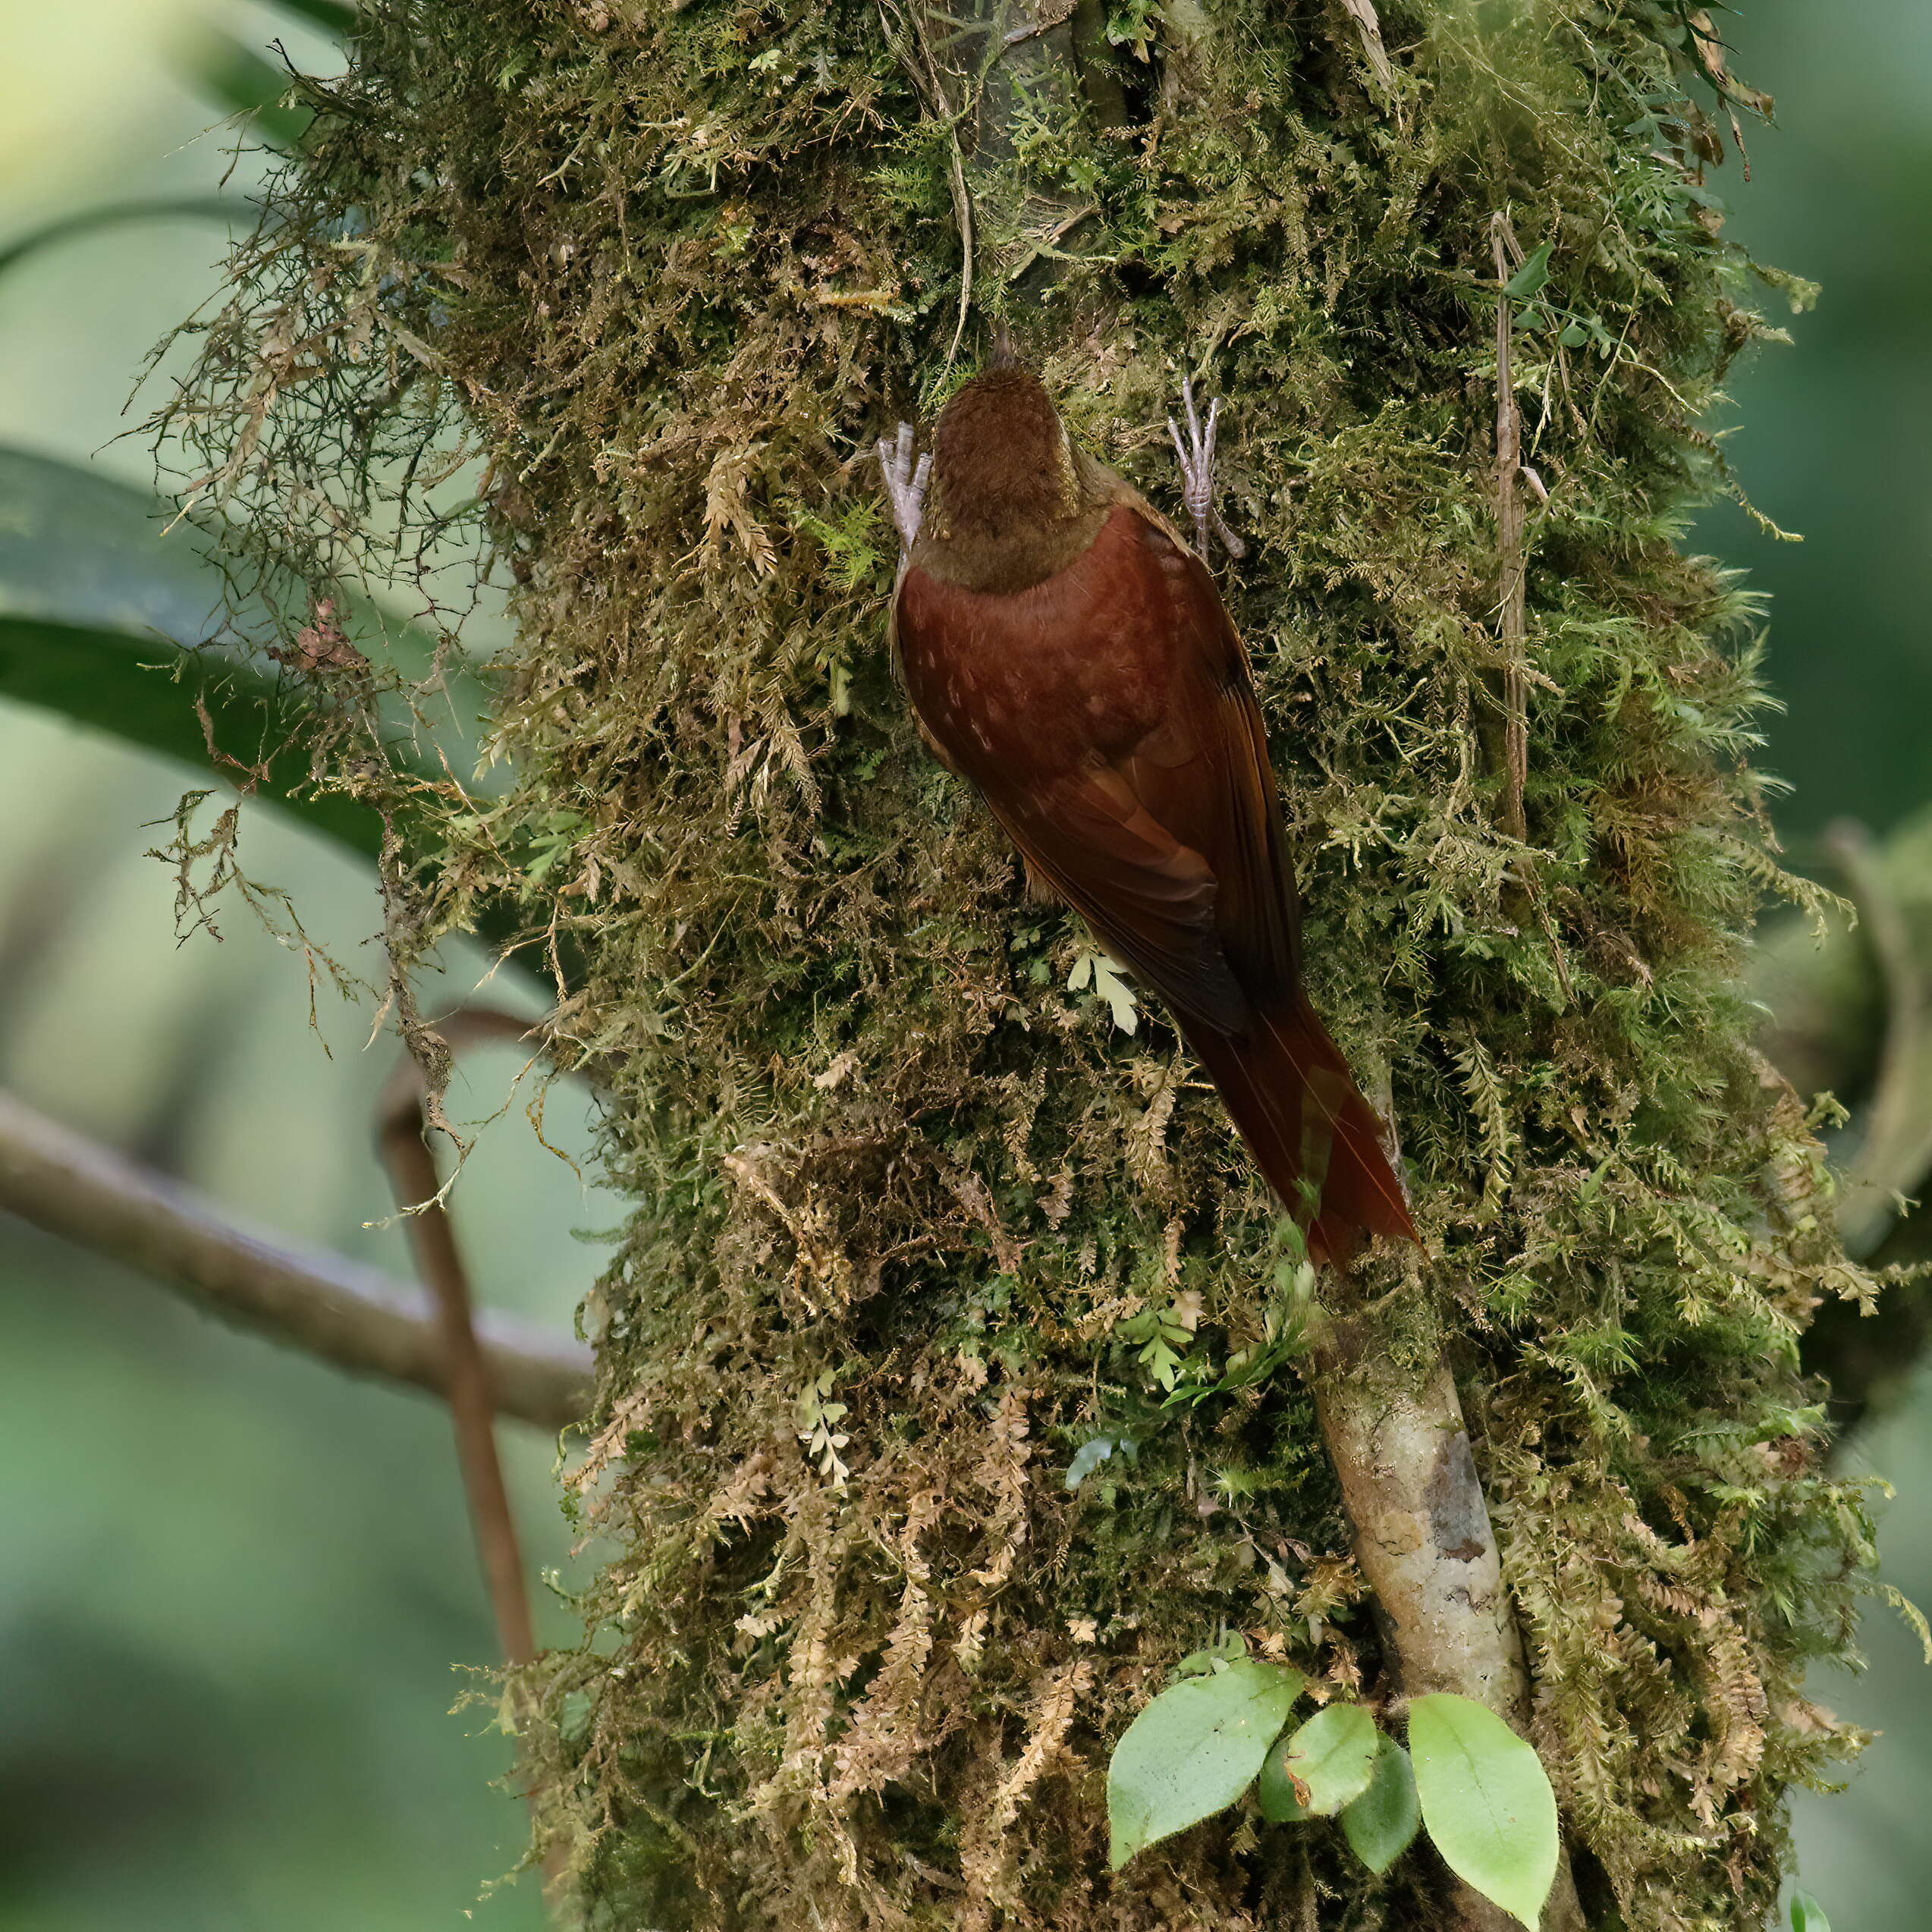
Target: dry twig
x=1512, y=617
x=403, y=1121
x=353, y=1318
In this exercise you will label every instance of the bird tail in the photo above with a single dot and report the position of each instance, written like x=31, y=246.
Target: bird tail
x=1289, y=1092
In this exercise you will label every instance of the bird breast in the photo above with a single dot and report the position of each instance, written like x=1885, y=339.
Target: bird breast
x=1081, y=667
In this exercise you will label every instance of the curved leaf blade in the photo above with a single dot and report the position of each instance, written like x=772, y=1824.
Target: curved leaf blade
x=1487, y=1801
x=1193, y=1751
x=188, y=208
x=1382, y=1823
x=230, y=73
x=114, y=620
x=113, y=681
x=117, y=617
x=1326, y=1764
x=1530, y=278
x=1807, y=1915
x=330, y=16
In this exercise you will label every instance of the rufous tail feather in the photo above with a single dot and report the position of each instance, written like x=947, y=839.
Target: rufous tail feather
x=1315, y=1138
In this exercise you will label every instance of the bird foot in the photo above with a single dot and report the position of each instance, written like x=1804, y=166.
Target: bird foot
x=905, y=484
x=1196, y=452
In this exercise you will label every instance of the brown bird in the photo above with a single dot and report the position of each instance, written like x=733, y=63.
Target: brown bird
x=1066, y=652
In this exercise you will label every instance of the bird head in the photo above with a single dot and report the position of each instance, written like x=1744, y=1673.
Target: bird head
x=1002, y=466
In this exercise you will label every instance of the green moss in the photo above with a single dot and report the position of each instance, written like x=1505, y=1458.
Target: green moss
x=673, y=270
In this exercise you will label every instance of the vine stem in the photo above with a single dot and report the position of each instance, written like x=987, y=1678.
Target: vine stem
x=1896, y=1152
x=1423, y=1540
x=402, y=1124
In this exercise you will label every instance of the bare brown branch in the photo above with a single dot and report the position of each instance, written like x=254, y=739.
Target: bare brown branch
x=351, y=1317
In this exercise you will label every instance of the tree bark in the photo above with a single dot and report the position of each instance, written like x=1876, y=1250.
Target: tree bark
x=1423, y=1537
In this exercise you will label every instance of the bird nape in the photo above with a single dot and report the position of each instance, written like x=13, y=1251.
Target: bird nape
x=1067, y=653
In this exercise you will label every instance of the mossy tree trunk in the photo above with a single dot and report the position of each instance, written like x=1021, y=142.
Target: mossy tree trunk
x=915, y=1223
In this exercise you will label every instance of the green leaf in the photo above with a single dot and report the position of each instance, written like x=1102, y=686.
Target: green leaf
x=1096, y=1451
x=98, y=608
x=1530, y=277
x=114, y=620
x=118, y=618
x=330, y=16
x=1805, y=1914
x=1380, y=1822
x=1486, y=1801
x=1193, y=1751
x=189, y=208
x=1230, y=1647
x=1325, y=1765
x=1096, y=970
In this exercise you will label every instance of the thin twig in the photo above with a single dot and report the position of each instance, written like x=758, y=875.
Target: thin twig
x=1362, y=12
x=351, y=1317
x=1513, y=610
x=923, y=71
x=403, y=1122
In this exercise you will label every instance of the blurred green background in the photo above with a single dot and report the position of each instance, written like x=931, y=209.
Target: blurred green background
x=1831, y=442
x=237, y=1593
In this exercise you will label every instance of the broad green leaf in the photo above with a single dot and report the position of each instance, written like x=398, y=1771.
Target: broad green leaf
x=1322, y=1766
x=1380, y=1823
x=118, y=618
x=1193, y=1751
x=1486, y=1801
x=191, y=208
x=114, y=620
x=113, y=624
x=119, y=683
x=1275, y=1791
x=1805, y=1914
x=1530, y=277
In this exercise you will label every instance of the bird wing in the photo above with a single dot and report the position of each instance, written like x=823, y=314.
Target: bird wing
x=1152, y=900
x=1171, y=848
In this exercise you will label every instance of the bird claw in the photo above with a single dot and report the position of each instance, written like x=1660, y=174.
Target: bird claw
x=1196, y=452
x=905, y=484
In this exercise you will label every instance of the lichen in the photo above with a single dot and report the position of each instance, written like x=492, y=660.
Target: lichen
x=913, y=1222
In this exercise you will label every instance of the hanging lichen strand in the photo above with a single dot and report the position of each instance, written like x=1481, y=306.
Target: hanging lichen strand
x=922, y=1236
